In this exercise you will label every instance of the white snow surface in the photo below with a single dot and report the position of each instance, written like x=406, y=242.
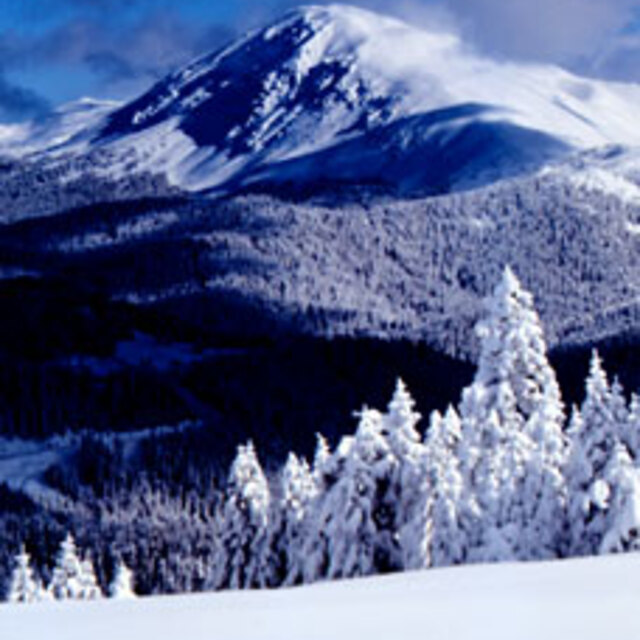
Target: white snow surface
x=609, y=170
x=587, y=599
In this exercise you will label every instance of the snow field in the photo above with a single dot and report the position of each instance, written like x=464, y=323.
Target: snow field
x=587, y=599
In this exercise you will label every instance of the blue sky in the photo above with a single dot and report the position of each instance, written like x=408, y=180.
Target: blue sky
x=53, y=51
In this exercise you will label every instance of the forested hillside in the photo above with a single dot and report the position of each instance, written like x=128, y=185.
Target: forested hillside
x=510, y=474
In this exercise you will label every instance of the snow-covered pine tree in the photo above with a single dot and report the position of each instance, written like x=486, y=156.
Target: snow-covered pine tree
x=620, y=410
x=601, y=431
x=89, y=589
x=632, y=427
x=67, y=581
x=592, y=440
x=328, y=468
x=621, y=524
x=284, y=560
x=405, y=488
x=400, y=423
x=354, y=514
x=415, y=535
x=513, y=445
x=121, y=587
x=578, y=475
x=448, y=501
x=599, y=470
x=244, y=525
x=24, y=587
x=321, y=458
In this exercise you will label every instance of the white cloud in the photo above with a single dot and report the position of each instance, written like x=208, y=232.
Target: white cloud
x=585, y=35
x=554, y=30
x=620, y=60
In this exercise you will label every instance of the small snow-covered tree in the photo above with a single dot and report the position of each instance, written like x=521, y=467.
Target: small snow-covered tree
x=121, y=587
x=448, y=499
x=400, y=423
x=244, y=525
x=89, y=589
x=513, y=447
x=24, y=587
x=68, y=580
x=579, y=476
x=321, y=457
x=619, y=408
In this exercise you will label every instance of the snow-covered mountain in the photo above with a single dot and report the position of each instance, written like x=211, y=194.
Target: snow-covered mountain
x=590, y=599
x=339, y=94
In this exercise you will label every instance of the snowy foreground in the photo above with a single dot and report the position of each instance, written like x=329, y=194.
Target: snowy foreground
x=583, y=599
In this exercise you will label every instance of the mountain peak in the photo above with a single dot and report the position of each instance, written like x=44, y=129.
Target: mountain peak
x=373, y=35
x=337, y=93
x=344, y=14
x=312, y=57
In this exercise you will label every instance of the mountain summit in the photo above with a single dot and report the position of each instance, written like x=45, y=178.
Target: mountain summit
x=342, y=95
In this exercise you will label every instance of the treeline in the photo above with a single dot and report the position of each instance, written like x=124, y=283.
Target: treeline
x=40, y=188
x=503, y=477
x=73, y=578
x=509, y=474
x=163, y=532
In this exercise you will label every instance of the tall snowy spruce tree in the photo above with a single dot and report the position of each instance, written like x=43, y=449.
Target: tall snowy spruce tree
x=356, y=520
x=603, y=423
x=435, y=535
x=284, y=557
x=328, y=468
x=405, y=488
x=243, y=533
x=368, y=491
x=513, y=446
x=24, y=586
x=600, y=470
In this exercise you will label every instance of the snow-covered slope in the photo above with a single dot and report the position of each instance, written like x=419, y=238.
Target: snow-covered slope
x=589, y=599
x=342, y=94
x=65, y=126
x=614, y=171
